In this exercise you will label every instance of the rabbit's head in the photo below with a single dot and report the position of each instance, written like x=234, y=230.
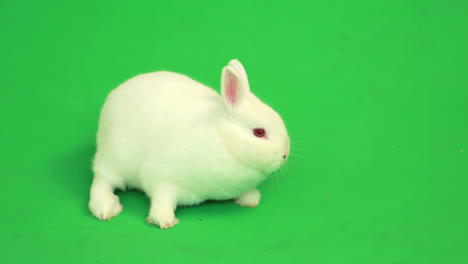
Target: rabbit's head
x=252, y=131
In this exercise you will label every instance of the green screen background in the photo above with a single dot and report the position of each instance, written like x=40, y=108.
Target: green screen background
x=374, y=94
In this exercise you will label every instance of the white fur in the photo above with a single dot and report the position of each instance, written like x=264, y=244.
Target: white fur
x=182, y=143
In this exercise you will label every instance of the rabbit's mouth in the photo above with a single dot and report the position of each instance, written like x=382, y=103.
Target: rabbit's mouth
x=274, y=165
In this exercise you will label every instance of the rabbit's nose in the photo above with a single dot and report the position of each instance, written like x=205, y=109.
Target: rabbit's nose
x=286, y=152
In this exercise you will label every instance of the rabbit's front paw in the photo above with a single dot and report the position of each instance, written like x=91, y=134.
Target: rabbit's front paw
x=105, y=207
x=163, y=221
x=249, y=199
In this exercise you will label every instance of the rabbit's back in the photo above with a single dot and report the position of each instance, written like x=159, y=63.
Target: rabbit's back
x=166, y=92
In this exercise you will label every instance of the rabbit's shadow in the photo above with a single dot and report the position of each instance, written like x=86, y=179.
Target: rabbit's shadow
x=72, y=170
x=73, y=173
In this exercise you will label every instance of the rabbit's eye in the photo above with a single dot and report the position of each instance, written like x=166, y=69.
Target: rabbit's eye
x=259, y=132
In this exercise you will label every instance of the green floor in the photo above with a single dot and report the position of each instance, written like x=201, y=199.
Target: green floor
x=374, y=94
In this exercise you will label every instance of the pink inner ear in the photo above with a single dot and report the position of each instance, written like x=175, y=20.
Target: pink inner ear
x=231, y=88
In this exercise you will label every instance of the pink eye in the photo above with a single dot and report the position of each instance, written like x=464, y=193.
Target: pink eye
x=259, y=132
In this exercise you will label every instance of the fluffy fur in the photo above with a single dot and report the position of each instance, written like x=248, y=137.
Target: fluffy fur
x=182, y=143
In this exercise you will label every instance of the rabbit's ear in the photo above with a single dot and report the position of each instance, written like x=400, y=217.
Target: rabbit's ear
x=233, y=89
x=239, y=68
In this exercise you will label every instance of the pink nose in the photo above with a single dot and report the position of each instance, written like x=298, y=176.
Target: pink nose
x=286, y=154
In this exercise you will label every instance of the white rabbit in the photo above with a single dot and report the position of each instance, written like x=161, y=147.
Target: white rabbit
x=182, y=143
